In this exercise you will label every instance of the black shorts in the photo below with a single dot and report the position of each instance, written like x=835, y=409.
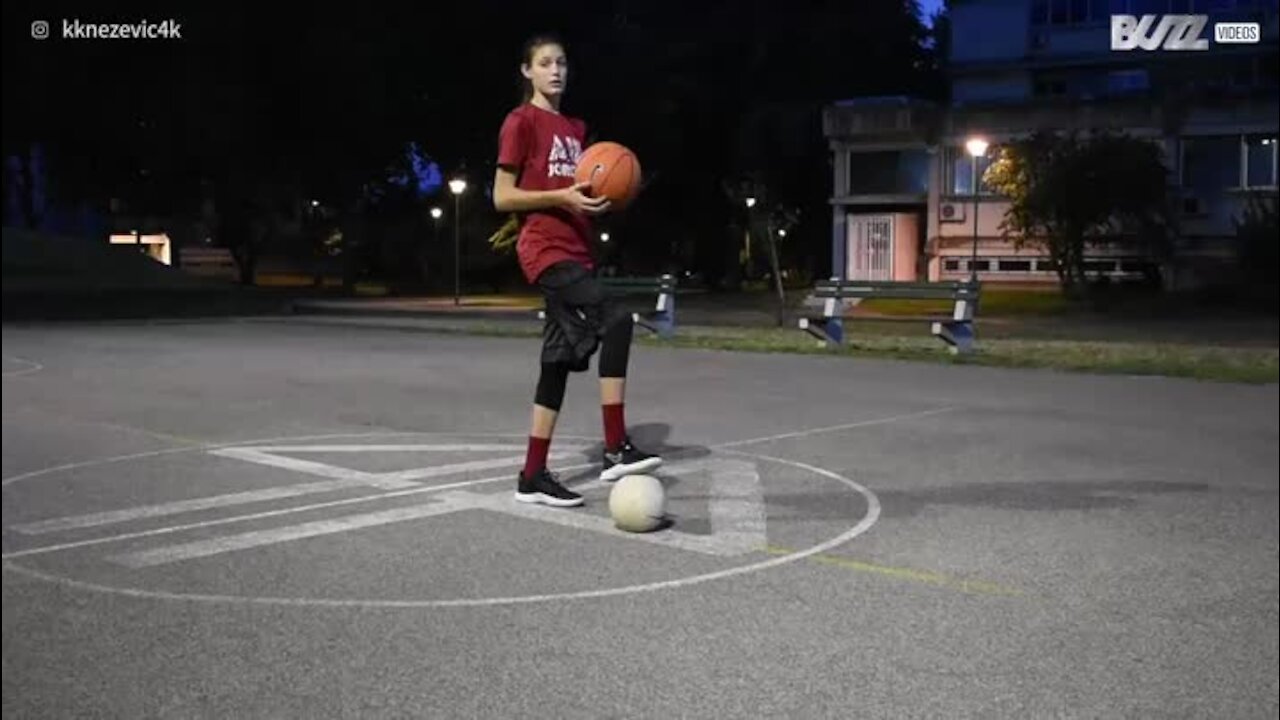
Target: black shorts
x=579, y=311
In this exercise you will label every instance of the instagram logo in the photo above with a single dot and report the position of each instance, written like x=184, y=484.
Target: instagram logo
x=40, y=30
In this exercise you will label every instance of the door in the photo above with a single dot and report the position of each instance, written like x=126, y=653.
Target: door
x=870, y=247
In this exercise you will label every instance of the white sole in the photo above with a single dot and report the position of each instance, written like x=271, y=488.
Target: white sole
x=617, y=472
x=544, y=499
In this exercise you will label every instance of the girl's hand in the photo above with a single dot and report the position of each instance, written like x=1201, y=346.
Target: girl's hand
x=577, y=201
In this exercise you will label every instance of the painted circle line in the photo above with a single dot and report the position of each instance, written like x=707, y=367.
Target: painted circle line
x=869, y=519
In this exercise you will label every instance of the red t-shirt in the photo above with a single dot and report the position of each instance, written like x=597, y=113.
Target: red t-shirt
x=543, y=148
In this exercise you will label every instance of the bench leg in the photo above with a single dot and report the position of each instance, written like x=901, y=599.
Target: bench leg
x=662, y=324
x=959, y=335
x=828, y=330
x=662, y=321
x=958, y=331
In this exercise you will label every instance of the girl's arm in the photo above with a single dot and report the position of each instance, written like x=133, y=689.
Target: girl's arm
x=509, y=198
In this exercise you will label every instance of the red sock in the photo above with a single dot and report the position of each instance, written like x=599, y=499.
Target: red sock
x=615, y=427
x=536, y=459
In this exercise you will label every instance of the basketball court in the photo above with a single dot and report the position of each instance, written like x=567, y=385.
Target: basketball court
x=272, y=518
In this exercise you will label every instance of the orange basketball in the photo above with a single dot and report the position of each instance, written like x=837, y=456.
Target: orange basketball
x=612, y=170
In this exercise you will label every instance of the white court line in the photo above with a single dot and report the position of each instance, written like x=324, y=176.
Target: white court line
x=34, y=367
x=502, y=503
x=472, y=447
x=75, y=522
x=236, y=443
x=736, y=506
x=734, y=542
x=258, y=538
x=258, y=516
x=863, y=525
x=593, y=484
x=353, y=477
x=110, y=517
x=836, y=428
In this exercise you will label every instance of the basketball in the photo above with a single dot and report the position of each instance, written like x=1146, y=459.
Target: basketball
x=613, y=171
x=638, y=503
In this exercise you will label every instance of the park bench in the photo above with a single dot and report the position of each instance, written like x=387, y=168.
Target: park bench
x=662, y=319
x=956, y=331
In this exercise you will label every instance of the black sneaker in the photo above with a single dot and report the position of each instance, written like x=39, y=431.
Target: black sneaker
x=627, y=460
x=545, y=488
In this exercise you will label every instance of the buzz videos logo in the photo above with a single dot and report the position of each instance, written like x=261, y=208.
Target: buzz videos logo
x=1176, y=33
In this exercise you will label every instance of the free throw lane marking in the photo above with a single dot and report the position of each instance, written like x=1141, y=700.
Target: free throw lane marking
x=354, y=477
x=258, y=516
x=31, y=367
x=111, y=517
x=737, y=505
x=397, y=480
x=863, y=525
x=258, y=538
x=738, y=525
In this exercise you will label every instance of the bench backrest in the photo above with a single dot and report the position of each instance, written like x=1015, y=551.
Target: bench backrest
x=881, y=289
x=662, y=284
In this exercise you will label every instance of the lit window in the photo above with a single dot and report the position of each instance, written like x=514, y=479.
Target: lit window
x=960, y=169
x=1260, y=161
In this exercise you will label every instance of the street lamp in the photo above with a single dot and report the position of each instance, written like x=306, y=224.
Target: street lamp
x=604, y=237
x=977, y=147
x=457, y=186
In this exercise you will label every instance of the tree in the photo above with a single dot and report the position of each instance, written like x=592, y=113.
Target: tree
x=1068, y=192
x=1256, y=231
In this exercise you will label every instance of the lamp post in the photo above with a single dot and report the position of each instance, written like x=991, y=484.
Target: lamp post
x=457, y=186
x=436, y=214
x=977, y=147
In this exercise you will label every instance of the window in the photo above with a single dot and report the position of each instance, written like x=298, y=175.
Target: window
x=888, y=172
x=959, y=171
x=1210, y=164
x=951, y=264
x=1070, y=12
x=1123, y=82
x=1015, y=266
x=1259, y=158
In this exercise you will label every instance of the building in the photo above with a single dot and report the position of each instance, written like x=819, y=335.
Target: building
x=905, y=206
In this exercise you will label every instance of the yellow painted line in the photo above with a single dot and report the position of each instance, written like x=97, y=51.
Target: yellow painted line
x=924, y=576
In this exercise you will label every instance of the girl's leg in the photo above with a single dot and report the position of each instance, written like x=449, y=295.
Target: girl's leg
x=620, y=456
x=536, y=484
x=546, y=408
x=615, y=353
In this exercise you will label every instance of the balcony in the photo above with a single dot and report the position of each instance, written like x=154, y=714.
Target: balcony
x=881, y=120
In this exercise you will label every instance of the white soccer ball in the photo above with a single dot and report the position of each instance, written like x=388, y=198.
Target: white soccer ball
x=638, y=503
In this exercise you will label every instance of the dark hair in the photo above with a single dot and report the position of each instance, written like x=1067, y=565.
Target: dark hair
x=526, y=57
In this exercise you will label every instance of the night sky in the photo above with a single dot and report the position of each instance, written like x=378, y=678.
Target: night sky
x=319, y=102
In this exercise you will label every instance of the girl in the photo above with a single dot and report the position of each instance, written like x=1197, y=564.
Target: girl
x=538, y=150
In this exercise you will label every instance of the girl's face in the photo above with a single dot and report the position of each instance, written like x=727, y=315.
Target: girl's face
x=548, y=70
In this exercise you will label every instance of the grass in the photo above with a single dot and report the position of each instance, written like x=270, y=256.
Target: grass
x=994, y=303
x=1228, y=364
x=1255, y=365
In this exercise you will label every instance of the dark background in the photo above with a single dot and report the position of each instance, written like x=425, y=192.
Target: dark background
x=259, y=109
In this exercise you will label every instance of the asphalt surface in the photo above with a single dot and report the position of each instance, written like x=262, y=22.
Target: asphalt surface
x=277, y=518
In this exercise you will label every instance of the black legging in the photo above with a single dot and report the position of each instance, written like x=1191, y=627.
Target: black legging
x=615, y=352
